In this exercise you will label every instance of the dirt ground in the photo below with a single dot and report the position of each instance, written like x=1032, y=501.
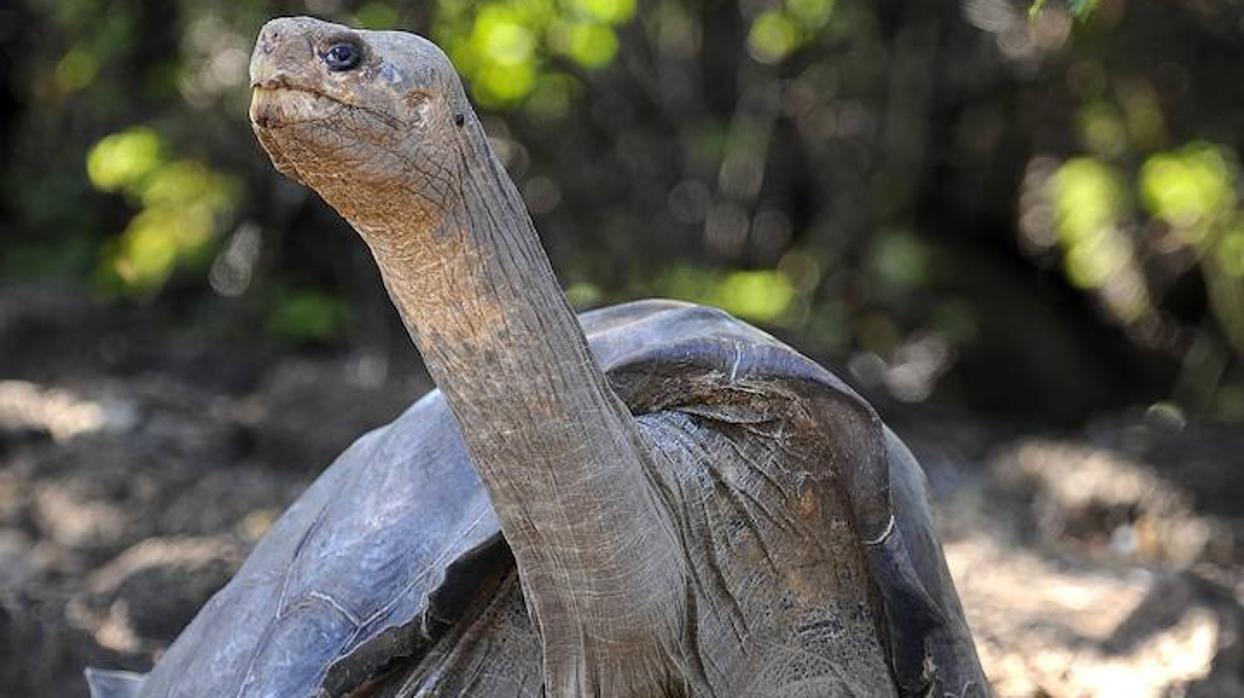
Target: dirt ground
x=137, y=469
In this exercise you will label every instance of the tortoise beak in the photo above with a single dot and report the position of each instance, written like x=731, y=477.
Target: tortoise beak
x=278, y=106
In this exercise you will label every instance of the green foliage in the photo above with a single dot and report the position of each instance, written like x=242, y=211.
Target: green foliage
x=76, y=70
x=1191, y=189
x=762, y=295
x=1194, y=191
x=584, y=295
x=899, y=262
x=775, y=33
x=181, y=204
x=377, y=15
x=35, y=261
x=1102, y=129
x=1229, y=250
x=1089, y=200
x=306, y=315
x=1080, y=9
x=123, y=161
x=792, y=195
x=506, y=49
x=102, y=38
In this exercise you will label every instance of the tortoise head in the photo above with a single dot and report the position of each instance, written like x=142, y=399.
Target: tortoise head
x=357, y=114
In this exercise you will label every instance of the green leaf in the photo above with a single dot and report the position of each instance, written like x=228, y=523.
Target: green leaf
x=1081, y=9
x=307, y=315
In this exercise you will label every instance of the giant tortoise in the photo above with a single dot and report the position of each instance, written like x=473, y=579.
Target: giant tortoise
x=652, y=499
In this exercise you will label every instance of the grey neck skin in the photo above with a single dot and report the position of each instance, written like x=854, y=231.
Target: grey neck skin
x=559, y=453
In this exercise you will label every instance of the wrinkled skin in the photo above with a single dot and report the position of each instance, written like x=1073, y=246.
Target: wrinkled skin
x=395, y=147
x=719, y=516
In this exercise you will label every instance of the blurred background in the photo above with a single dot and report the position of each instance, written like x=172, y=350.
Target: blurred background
x=1016, y=227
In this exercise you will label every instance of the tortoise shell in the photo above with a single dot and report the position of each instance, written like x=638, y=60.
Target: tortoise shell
x=386, y=549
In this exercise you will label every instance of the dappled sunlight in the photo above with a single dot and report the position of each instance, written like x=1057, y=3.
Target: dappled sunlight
x=123, y=160
x=505, y=48
x=63, y=415
x=1045, y=628
x=1081, y=567
x=1090, y=206
x=759, y=295
x=775, y=33
x=183, y=203
x=1106, y=219
x=1192, y=189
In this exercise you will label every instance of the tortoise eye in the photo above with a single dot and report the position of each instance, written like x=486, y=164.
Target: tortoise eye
x=343, y=56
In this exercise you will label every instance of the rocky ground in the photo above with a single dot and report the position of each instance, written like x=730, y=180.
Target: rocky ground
x=1107, y=563
x=136, y=470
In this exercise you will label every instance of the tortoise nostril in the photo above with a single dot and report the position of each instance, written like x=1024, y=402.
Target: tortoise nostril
x=269, y=41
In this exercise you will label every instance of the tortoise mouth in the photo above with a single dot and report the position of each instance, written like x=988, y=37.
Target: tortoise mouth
x=279, y=105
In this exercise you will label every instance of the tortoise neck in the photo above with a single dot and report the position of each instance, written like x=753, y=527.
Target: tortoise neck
x=480, y=299
x=560, y=455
